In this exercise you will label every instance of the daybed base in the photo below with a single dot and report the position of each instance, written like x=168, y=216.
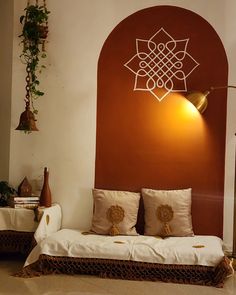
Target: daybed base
x=122, y=269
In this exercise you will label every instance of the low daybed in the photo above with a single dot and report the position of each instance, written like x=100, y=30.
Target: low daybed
x=191, y=259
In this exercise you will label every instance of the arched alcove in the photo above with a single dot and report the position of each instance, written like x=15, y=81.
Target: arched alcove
x=144, y=142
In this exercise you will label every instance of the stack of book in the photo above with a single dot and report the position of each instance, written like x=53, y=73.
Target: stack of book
x=30, y=202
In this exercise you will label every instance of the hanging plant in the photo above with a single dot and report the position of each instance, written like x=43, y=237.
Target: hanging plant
x=34, y=35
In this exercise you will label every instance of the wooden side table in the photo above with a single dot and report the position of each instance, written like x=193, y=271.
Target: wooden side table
x=20, y=230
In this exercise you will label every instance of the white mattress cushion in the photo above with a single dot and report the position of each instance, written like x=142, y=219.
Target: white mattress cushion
x=196, y=250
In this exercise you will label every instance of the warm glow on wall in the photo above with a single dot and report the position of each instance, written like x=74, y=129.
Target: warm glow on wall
x=185, y=108
x=179, y=115
x=190, y=108
x=184, y=122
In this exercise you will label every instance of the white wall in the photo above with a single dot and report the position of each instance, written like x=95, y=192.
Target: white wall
x=67, y=112
x=6, y=33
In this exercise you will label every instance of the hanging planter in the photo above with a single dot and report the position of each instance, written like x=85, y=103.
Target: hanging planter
x=34, y=35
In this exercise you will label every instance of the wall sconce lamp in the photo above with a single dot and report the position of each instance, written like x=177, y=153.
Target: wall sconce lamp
x=199, y=99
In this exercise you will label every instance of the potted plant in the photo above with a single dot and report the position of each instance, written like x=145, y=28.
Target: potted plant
x=5, y=192
x=34, y=34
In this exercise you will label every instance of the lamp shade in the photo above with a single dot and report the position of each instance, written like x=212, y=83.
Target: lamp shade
x=199, y=100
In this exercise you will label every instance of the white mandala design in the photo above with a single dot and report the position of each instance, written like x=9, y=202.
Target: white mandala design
x=161, y=63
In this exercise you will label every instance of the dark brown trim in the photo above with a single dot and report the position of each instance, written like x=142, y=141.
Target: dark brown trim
x=130, y=270
x=16, y=242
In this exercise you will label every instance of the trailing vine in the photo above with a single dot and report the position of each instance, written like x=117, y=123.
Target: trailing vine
x=34, y=34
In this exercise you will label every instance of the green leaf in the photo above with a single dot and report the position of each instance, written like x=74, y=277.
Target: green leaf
x=39, y=93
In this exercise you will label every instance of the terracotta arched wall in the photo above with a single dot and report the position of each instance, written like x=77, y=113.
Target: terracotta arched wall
x=142, y=142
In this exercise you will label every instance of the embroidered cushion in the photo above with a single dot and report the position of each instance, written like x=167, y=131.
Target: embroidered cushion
x=167, y=212
x=115, y=212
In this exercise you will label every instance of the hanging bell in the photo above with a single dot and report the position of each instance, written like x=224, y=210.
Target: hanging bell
x=27, y=120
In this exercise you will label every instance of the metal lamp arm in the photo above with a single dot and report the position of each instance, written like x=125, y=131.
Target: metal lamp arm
x=221, y=87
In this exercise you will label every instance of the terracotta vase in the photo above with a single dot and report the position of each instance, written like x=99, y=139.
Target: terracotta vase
x=45, y=196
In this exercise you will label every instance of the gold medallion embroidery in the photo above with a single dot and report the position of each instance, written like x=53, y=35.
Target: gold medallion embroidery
x=165, y=214
x=115, y=214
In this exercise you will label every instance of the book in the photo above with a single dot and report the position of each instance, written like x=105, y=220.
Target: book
x=24, y=206
x=24, y=199
x=23, y=202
